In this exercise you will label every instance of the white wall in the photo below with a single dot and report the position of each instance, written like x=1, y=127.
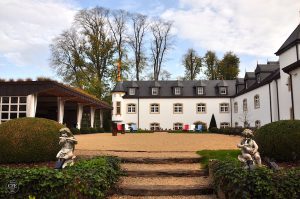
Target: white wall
x=296, y=89
x=117, y=96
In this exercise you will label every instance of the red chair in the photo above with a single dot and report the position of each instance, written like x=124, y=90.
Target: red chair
x=186, y=127
x=120, y=128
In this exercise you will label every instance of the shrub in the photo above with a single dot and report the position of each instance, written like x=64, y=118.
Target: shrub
x=93, y=130
x=29, y=140
x=100, y=130
x=75, y=131
x=237, y=182
x=213, y=122
x=214, y=130
x=85, y=130
x=280, y=140
x=86, y=179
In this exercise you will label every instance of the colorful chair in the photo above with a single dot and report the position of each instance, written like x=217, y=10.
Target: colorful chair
x=134, y=128
x=192, y=127
x=186, y=127
x=199, y=128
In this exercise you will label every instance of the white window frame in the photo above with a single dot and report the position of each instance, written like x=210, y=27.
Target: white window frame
x=154, y=126
x=223, y=90
x=177, y=108
x=154, y=108
x=224, y=107
x=245, y=105
x=9, y=112
x=131, y=108
x=200, y=90
x=224, y=125
x=201, y=108
x=256, y=101
x=177, y=91
x=177, y=126
x=154, y=91
x=236, y=107
x=131, y=91
x=118, y=108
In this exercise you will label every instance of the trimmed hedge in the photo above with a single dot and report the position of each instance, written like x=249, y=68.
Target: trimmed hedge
x=236, y=182
x=29, y=140
x=89, y=130
x=280, y=140
x=86, y=179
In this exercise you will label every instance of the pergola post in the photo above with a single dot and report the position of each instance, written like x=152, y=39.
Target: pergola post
x=92, y=116
x=31, y=105
x=79, y=115
x=60, y=110
x=101, y=118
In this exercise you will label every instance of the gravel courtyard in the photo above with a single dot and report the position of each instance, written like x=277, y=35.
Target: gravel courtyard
x=154, y=142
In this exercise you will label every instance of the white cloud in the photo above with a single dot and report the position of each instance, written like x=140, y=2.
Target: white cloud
x=28, y=26
x=246, y=27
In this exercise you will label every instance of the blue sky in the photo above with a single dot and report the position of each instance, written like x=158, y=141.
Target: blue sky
x=254, y=30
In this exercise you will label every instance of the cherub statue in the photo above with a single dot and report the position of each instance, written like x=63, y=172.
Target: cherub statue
x=66, y=154
x=249, y=148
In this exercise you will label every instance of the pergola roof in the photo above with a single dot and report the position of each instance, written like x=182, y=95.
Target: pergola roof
x=50, y=88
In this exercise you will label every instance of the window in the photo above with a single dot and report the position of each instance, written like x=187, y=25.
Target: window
x=236, y=124
x=154, y=108
x=131, y=108
x=257, y=124
x=177, y=126
x=224, y=125
x=256, y=101
x=12, y=107
x=223, y=90
x=131, y=91
x=236, y=107
x=177, y=91
x=154, y=127
x=154, y=91
x=201, y=108
x=200, y=90
x=177, y=108
x=118, y=109
x=224, y=108
x=245, y=108
x=246, y=124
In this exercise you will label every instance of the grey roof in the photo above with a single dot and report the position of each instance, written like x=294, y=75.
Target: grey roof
x=155, y=84
x=178, y=83
x=134, y=84
x=222, y=83
x=269, y=67
x=200, y=83
x=119, y=87
x=188, y=88
x=250, y=75
x=291, y=40
x=240, y=81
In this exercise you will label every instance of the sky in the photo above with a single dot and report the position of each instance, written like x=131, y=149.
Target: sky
x=254, y=30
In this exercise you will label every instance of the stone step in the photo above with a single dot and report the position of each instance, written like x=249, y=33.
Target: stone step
x=163, y=197
x=166, y=173
x=149, y=181
x=147, y=160
x=165, y=190
x=154, y=167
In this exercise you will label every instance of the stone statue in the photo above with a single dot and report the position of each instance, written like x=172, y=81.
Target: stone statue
x=66, y=155
x=249, y=148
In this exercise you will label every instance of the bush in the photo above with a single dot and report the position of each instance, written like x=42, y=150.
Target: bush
x=85, y=130
x=214, y=130
x=86, y=179
x=93, y=130
x=99, y=130
x=237, y=182
x=75, y=131
x=280, y=140
x=29, y=140
x=213, y=123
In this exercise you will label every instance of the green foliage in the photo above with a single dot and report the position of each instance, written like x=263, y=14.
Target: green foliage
x=192, y=64
x=91, y=130
x=86, y=179
x=280, y=140
x=204, y=125
x=207, y=155
x=211, y=65
x=213, y=122
x=75, y=131
x=237, y=182
x=229, y=66
x=29, y=140
x=231, y=130
x=214, y=130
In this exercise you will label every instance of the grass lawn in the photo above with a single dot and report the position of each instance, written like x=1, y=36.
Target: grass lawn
x=217, y=154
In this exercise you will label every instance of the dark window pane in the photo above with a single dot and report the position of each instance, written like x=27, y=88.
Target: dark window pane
x=13, y=107
x=22, y=108
x=4, y=107
x=14, y=99
x=22, y=114
x=22, y=99
x=5, y=99
x=4, y=116
x=13, y=115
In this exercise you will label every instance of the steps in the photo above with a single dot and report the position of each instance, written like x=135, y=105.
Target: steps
x=163, y=177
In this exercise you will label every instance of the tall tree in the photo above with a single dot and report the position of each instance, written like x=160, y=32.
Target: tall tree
x=118, y=25
x=210, y=61
x=136, y=42
x=161, y=43
x=229, y=66
x=192, y=63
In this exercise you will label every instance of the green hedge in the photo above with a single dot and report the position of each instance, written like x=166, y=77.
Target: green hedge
x=228, y=130
x=86, y=179
x=237, y=182
x=280, y=140
x=29, y=140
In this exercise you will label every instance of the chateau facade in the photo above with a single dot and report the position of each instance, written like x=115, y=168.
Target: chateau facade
x=268, y=94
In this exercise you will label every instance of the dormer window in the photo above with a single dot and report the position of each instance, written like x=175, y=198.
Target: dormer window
x=200, y=90
x=177, y=91
x=258, y=79
x=223, y=90
x=154, y=91
x=131, y=91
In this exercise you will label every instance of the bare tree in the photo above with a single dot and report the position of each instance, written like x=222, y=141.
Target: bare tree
x=136, y=42
x=192, y=64
x=245, y=118
x=118, y=25
x=161, y=43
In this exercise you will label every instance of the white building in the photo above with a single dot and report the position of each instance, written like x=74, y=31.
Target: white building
x=270, y=93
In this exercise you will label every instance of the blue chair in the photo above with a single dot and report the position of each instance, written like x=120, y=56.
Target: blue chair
x=199, y=128
x=133, y=128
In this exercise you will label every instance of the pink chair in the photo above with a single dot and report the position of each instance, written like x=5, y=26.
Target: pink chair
x=186, y=127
